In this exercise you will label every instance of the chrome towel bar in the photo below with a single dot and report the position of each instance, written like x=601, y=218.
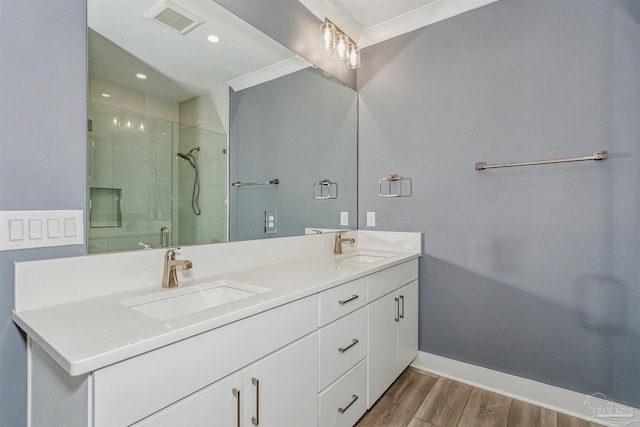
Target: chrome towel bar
x=597, y=155
x=245, y=184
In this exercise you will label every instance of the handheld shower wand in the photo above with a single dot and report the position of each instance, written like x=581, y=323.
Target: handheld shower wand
x=195, y=196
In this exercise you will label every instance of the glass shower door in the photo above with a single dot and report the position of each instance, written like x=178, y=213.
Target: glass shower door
x=130, y=170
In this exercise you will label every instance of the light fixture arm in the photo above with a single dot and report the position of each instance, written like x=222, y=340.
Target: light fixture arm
x=339, y=29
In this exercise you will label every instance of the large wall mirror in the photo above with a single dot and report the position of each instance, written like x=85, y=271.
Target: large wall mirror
x=203, y=130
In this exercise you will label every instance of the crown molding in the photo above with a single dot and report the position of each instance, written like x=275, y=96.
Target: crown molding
x=431, y=13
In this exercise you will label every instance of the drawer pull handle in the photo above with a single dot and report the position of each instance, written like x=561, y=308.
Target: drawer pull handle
x=256, y=420
x=354, y=297
x=397, y=318
x=354, y=342
x=353, y=399
x=402, y=299
x=236, y=393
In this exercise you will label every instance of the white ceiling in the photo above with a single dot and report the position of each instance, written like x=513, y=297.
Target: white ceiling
x=178, y=66
x=372, y=21
x=127, y=42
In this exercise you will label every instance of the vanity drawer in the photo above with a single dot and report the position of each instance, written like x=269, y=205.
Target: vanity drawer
x=131, y=390
x=390, y=279
x=352, y=387
x=342, y=344
x=341, y=300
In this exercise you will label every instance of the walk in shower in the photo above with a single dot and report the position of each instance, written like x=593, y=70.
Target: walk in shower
x=153, y=181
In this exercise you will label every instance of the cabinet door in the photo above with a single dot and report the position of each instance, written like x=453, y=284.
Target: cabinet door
x=383, y=320
x=216, y=405
x=282, y=388
x=408, y=325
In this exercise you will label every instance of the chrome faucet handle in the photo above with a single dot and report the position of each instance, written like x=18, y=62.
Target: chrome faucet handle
x=145, y=245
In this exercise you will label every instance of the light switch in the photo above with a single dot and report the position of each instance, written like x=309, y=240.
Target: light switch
x=40, y=229
x=35, y=229
x=53, y=228
x=371, y=219
x=16, y=231
x=344, y=218
x=70, y=227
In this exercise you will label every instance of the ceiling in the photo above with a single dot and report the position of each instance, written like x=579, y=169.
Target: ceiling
x=125, y=42
x=373, y=21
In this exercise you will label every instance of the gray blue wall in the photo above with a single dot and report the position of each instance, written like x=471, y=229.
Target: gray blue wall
x=300, y=128
x=42, y=148
x=530, y=271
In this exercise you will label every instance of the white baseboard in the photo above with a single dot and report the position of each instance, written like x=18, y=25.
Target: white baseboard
x=547, y=396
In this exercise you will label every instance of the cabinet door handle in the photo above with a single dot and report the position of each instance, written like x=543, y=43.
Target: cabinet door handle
x=354, y=342
x=343, y=302
x=236, y=393
x=256, y=420
x=402, y=299
x=397, y=318
x=353, y=400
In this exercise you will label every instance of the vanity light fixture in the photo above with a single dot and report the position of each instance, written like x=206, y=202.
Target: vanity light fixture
x=343, y=47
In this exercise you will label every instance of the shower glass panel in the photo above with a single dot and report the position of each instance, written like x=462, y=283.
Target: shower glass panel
x=202, y=203
x=135, y=156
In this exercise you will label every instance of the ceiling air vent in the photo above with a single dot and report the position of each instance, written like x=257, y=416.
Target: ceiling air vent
x=173, y=16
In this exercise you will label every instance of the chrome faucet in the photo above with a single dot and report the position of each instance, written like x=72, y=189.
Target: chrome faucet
x=337, y=249
x=169, y=276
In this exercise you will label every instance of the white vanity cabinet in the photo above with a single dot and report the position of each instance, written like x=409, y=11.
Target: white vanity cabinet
x=183, y=372
x=368, y=335
x=393, y=326
x=343, y=354
x=219, y=404
x=318, y=361
x=278, y=390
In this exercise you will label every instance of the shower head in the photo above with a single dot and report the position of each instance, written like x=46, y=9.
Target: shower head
x=189, y=158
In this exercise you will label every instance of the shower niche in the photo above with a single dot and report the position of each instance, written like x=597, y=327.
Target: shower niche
x=105, y=207
x=146, y=175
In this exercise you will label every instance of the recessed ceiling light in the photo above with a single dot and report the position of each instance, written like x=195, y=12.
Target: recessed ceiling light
x=213, y=39
x=106, y=95
x=141, y=76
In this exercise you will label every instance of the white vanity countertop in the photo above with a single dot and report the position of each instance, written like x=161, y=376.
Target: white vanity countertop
x=88, y=334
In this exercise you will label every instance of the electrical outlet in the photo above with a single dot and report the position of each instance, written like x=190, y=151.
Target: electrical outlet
x=344, y=218
x=270, y=221
x=371, y=219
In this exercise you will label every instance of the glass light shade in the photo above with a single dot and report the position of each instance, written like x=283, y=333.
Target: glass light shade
x=353, y=58
x=342, y=47
x=328, y=35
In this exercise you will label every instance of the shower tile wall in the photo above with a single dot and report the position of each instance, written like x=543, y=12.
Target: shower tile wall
x=133, y=153
x=157, y=187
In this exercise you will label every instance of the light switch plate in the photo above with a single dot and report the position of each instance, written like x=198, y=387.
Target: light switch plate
x=38, y=229
x=371, y=219
x=344, y=218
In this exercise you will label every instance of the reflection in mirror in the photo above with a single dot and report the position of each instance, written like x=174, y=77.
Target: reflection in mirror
x=163, y=150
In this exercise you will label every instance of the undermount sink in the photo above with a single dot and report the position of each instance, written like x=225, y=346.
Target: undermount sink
x=362, y=258
x=182, y=301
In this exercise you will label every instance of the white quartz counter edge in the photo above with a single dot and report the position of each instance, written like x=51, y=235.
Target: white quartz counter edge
x=86, y=335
